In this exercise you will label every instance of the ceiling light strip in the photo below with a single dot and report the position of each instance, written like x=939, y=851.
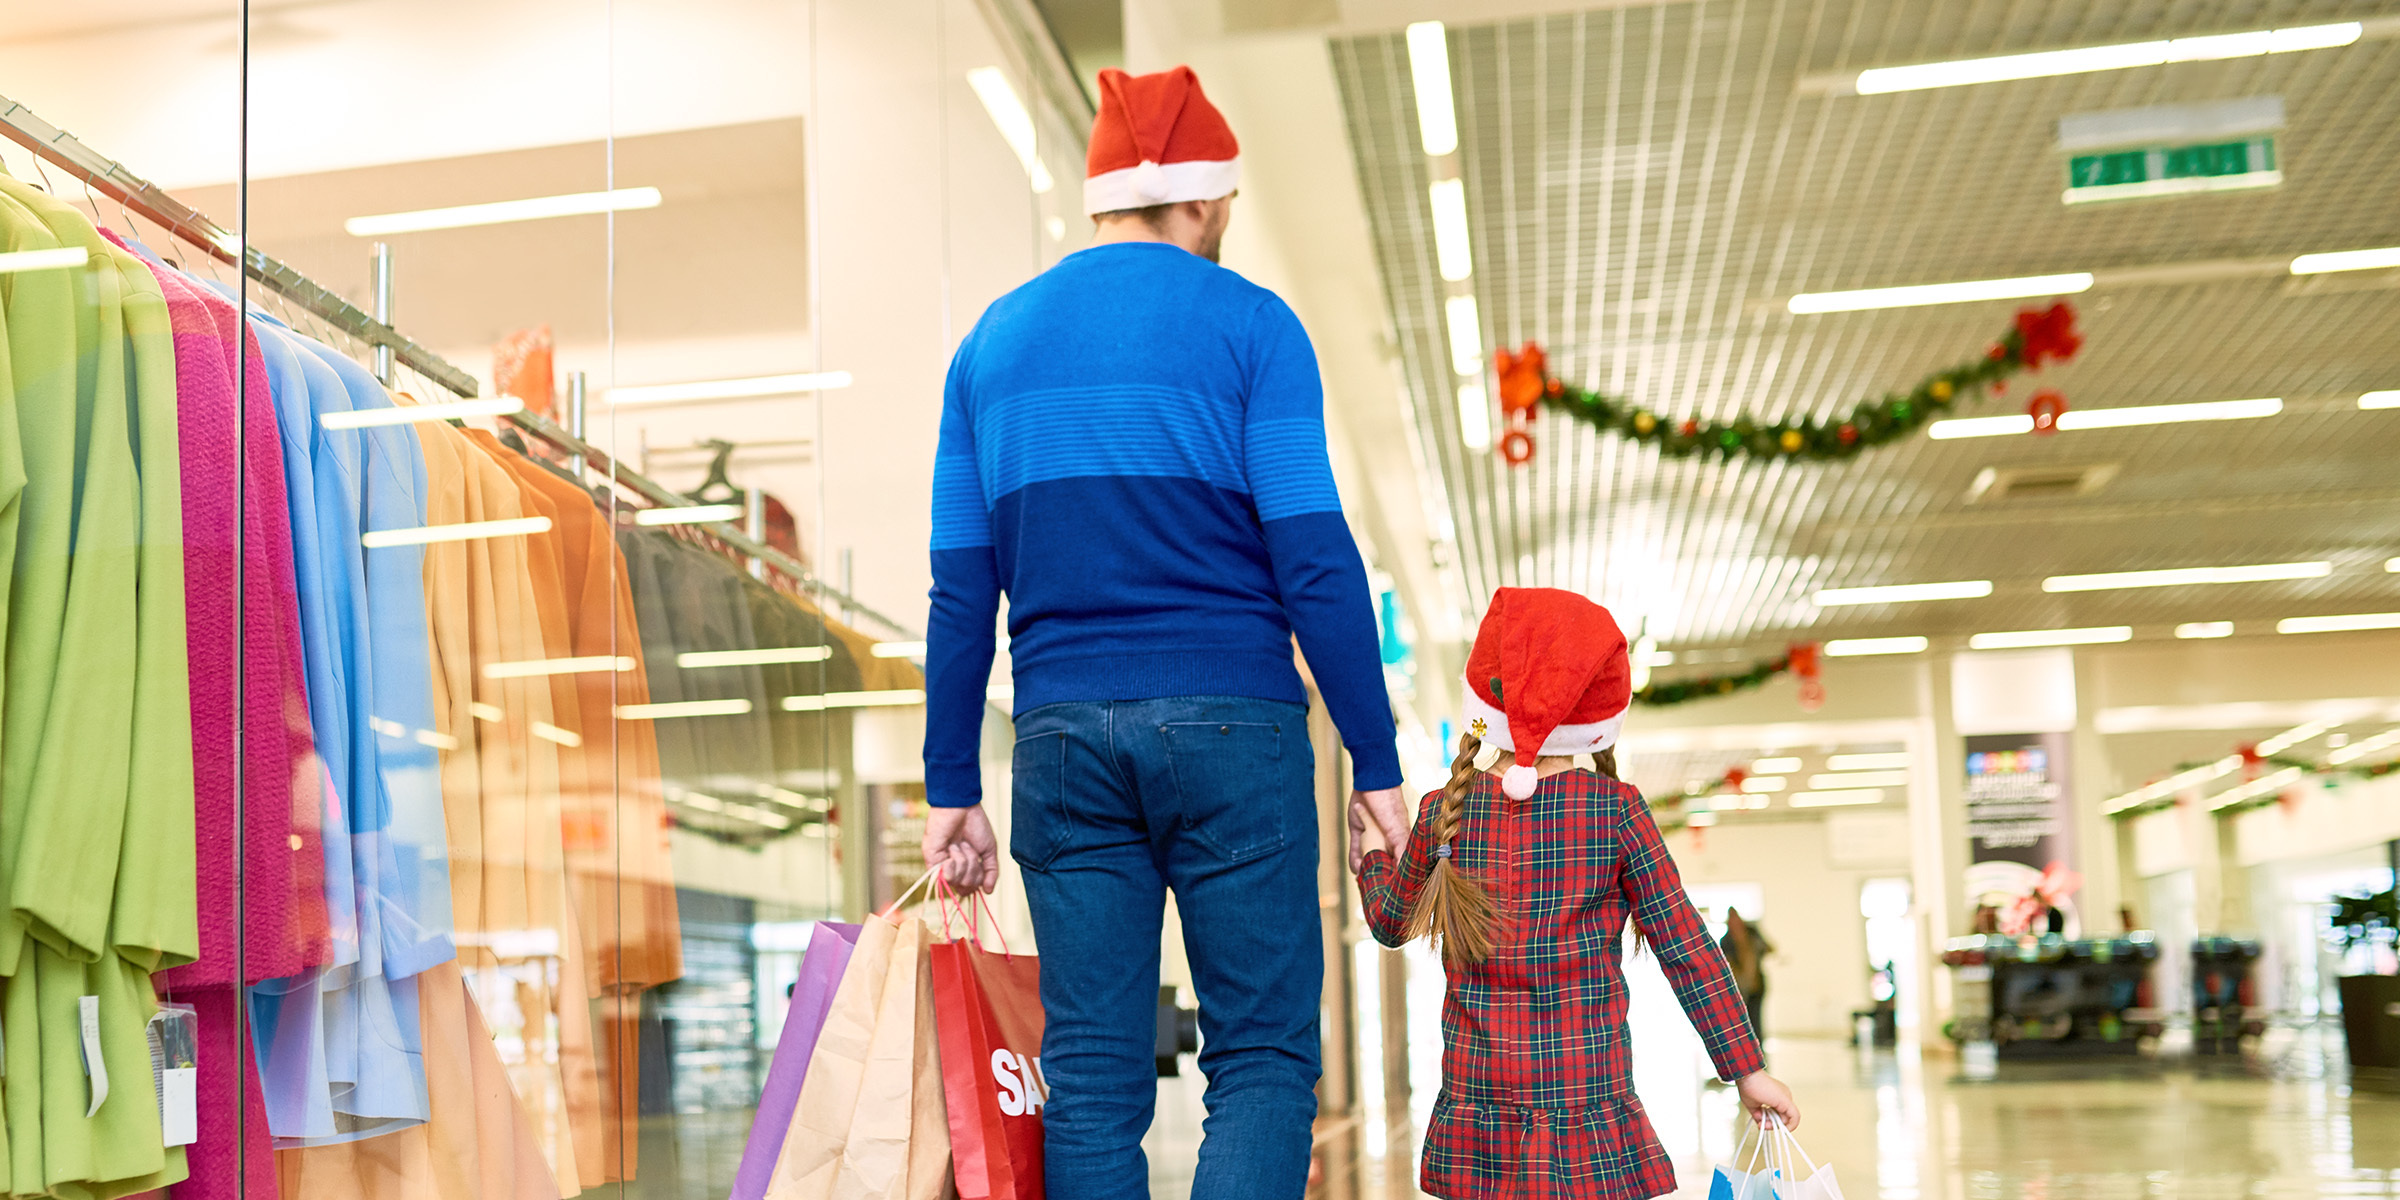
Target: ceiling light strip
x=1452, y=252
x=2364, y=747
x=1896, y=760
x=735, y=707
x=891, y=698
x=1902, y=593
x=2174, y=783
x=590, y=664
x=763, y=657
x=63, y=258
x=2264, y=785
x=1834, y=799
x=466, y=531
x=502, y=212
x=1860, y=647
x=1429, y=71
x=1009, y=116
x=2182, y=576
x=2110, y=418
x=2120, y=56
x=898, y=650
x=2026, y=638
x=1920, y=295
x=693, y=514
x=2377, y=259
x=2348, y=623
x=748, y=388
x=410, y=414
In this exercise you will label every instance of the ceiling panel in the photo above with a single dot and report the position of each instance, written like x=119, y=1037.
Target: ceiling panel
x=1647, y=185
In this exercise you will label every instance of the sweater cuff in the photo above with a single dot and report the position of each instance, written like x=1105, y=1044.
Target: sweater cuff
x=954, y=785
x=1374, y=768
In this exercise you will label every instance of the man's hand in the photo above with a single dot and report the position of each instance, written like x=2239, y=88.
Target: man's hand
x=1389, y=811
x=959, y=843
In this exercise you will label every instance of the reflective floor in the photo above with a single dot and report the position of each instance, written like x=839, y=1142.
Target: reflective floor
x=1898, y=1126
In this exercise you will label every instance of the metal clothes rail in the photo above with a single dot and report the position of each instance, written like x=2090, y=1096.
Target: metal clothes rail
x=139, y=196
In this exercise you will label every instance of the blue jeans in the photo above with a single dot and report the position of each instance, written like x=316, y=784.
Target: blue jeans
x=1115, y=803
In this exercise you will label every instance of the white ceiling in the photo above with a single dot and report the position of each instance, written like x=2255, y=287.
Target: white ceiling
x=1647, y=185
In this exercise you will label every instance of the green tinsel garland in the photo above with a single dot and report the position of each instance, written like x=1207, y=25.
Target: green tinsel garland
x=1701, y=687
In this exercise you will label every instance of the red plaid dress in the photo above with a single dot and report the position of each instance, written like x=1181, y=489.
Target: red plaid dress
x=1537, y=1096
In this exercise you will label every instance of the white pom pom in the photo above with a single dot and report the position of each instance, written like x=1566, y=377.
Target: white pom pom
x=1518, y=782
x=1149, y=183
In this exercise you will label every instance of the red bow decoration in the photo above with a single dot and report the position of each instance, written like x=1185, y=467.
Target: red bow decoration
x=2051, y=890
x=2251, y=760
x=1524, y=380
x=1734, y=777
x=1805, y=665
x=2044, y=334
x=2046, y=408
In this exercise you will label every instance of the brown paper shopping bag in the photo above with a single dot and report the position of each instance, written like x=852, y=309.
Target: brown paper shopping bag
x=899, y=1145
x=821, y=1121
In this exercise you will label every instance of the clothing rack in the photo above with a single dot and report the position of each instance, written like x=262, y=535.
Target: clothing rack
x=141, y=197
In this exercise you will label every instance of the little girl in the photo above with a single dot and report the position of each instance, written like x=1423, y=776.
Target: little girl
x=1527, y=881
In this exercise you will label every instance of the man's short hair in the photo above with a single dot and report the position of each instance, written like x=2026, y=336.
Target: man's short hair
x=1154, y=216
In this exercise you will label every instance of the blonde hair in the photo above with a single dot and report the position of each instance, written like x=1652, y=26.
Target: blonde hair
x=1453, y=907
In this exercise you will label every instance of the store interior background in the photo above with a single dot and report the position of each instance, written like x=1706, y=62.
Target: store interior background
x=1646, y=184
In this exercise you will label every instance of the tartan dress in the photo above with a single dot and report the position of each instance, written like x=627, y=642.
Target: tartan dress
x=1537, y=1092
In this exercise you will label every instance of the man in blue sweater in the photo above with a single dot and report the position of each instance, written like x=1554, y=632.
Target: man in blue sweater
x=1133, y=451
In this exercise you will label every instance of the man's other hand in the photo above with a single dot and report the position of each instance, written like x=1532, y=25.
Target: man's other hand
x=1389, y=810
x=959, y=843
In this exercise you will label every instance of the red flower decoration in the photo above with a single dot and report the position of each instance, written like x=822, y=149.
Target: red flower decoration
x=1734, y=777
x=1848, y=433
x=1524, y=378
x=2047, y=407
x=2044, y=334
x=1689, y=428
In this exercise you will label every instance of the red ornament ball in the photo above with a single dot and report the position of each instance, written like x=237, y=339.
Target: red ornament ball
x=1689, y=429
x=1848, y=433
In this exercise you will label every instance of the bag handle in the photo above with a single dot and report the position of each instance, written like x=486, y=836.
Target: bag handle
x=1791, y=1143
x=1758, y=1147
x=970, y=909
x=891, y=910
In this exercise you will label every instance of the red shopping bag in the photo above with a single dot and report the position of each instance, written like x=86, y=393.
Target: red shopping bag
x=987, y=1011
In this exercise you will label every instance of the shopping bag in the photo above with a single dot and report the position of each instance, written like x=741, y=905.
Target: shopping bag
x=1817, y=1184
x=988, y=1008
x=889, y=1153
x=829, y=948
x=820, y=1129
x=1760, y=1178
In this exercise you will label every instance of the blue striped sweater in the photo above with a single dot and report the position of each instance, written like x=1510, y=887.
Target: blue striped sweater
x=1133, y=451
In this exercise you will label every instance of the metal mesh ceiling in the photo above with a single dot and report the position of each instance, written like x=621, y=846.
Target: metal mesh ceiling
x=1646, y=186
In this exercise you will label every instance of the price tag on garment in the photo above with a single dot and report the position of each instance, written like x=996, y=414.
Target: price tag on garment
x=175, y=1069
x=95, y=1067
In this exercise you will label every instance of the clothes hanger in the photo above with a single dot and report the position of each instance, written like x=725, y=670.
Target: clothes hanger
x=706, y=493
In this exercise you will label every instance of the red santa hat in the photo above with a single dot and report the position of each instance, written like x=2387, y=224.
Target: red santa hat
x=1548, y=676
x=1157, y=140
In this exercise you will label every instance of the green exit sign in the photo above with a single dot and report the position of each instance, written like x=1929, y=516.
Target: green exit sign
x=2140, y=171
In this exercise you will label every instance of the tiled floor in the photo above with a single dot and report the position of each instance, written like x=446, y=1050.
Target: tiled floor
x=1899, y=1127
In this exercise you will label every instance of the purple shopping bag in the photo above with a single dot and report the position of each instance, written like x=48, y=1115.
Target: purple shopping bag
x=829, y=946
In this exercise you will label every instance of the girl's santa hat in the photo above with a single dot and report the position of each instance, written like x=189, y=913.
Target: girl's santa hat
x=1157, y=140
x=1548, y=676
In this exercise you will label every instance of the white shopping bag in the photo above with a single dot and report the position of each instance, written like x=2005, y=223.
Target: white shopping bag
x=1760, y=1178
x=1817, y=1184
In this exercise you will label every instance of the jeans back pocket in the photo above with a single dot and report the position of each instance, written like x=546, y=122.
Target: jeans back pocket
x=1038, y=818
x=1233, y=784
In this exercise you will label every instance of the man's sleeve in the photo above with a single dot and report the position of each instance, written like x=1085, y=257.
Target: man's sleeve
x=1317, y=566
x=960, y=630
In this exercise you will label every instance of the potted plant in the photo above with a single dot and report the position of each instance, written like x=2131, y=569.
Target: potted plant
x=2370, y=1003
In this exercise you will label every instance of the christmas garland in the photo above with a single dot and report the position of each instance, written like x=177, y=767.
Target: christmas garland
x=2037, y=336
x=1800, y=658
x=2253, y=763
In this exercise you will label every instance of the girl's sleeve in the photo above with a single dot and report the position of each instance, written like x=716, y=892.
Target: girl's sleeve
x=1387, y=886
x=1677, y=935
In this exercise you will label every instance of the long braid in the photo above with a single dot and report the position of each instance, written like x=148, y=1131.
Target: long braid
x=1453, y=906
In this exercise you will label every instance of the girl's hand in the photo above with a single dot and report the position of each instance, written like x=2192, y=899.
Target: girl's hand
x=1762, y=1092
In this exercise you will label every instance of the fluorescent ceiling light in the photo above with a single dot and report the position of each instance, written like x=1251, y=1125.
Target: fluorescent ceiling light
x=409, y=414
x=1834, y=799
x=2264, y=785
x=462, y=532
x=895, y=697
x=44, y=260
x=734, y=707
x=1764, y=783
x=1700, y=820
x=689, y=514
x=1901, y=593
x=1474, y=417
x=1724, y=803
x=486, y=712
x=2338, y=624
x=552, y=733
x=1466, y=335
x=729, y=389
x=2110, y=418
x=2204, y=629
x=1941, y=293
x=1429, y=69
x=1967, y=427
x=2297, y=734
x=2380, y=400
x=898, y=650
x=2347, y=260
x=2019, y=639
x=2364, y=747
x=592, y=664
x=2044, y=63
x=1858, y=779
x=1857, y=647
x=500, y=213
x=696, y=659
x=2174, y=783
x=439, y=740
x=1014, y=122
x=1450, y=249
x=1774, y=766
x=2179, y=576
x=1894, y=760
x=2391, y=565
